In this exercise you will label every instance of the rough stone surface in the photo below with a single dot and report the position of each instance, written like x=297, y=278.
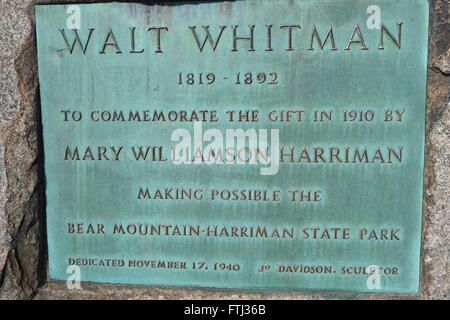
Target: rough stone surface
x=22, y=220
x=57, y=290
x=436, y=244
x=19, y=226
x=437, y=236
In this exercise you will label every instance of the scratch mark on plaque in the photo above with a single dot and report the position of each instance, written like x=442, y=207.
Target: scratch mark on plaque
x=59, y=52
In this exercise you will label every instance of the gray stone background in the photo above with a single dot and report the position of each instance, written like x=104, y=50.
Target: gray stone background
x=23, y=268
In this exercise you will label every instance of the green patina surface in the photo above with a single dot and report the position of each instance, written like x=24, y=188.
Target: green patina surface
x=382, y=193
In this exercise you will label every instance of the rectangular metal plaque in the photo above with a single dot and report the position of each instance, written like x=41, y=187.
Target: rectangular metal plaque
x=253, y=144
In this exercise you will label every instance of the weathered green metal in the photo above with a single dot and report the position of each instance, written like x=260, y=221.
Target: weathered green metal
x=354, y=141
